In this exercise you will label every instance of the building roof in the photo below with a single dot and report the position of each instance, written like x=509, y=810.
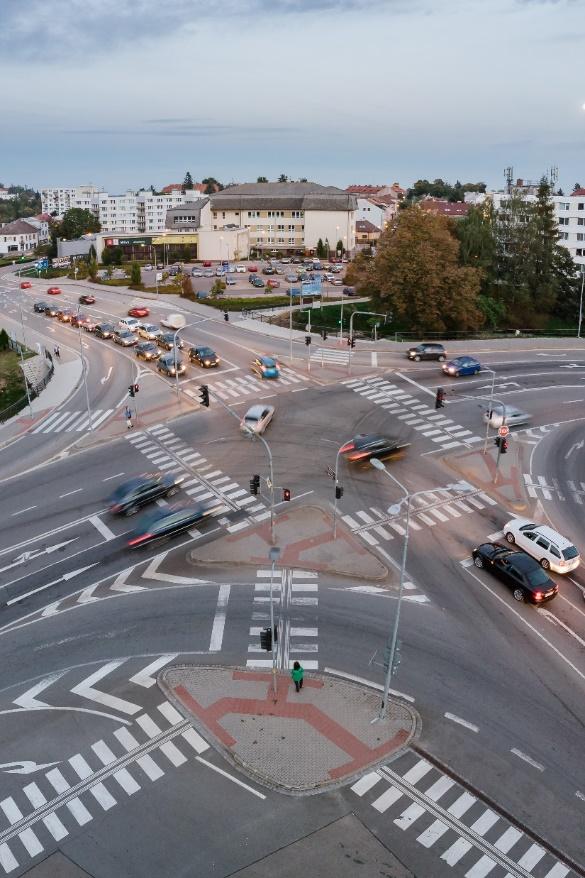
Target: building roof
x=366, y=226
x=444, y=208
x=43, y=217
x=579, y=192
x=18, y=227
x=289, y=196
x=172, y=187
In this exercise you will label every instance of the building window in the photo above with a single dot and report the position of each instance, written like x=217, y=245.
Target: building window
x=563, y=221
x=581, y=221
x=291, y=228
x=281, y=228
x=563, y=205
x=564, y=236
x=581, y=205
x=580, y=236
x=297, y=214
x=291, y=240
x=579, y=252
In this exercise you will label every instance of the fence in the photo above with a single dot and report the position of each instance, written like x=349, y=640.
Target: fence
x=33, y=389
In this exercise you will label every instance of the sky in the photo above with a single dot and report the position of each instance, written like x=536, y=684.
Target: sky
x=128, y=93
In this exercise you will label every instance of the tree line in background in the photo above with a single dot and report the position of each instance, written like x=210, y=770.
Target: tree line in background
x=494, y=269
x=26, y=203
x=440, y=189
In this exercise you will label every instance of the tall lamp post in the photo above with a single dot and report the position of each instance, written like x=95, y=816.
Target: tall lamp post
x=83, y=366
x=491, y=402
x=581, y=301
x=393, y=633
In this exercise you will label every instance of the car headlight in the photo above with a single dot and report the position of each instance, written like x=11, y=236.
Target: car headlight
x=451, y=370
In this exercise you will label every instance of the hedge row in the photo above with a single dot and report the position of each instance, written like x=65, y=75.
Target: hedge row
x=226, y=304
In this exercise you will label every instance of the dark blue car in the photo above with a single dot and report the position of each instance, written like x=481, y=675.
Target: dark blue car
x=461, y=366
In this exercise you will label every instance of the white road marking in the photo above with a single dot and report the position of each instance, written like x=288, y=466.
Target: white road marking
x=145, y=677
x=368, y=683
x=86, y=689
x=102, y=528
x=217, y=630
x=69, y=493
x=461, y=722
x=20, y=511
x=230, y=777
x=109, y=478
x=527, y=759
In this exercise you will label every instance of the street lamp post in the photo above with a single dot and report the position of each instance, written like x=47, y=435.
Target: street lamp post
x=487, y=426
x=581, y=301
x=336, y=481
x=83, y=366
x=22, y=362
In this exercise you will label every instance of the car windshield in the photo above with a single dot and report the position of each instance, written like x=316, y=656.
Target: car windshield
x=569, y=553
x=537, y=578
x=206, y=352
x=268, y=361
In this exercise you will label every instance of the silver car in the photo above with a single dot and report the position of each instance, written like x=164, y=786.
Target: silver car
x=257, y=419
x=148, y=331
x=514, y=417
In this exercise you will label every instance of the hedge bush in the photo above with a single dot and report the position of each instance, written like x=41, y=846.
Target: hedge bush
x=227, y=304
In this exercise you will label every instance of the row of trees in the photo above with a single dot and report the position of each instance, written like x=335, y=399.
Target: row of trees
x=26, y=203
x=440, y=189
x=493, y=269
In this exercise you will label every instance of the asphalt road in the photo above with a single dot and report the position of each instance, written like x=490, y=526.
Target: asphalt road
x=85, y=623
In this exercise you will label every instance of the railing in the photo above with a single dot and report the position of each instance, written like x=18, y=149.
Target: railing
x=33, y=389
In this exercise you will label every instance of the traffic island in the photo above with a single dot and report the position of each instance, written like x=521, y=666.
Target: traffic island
x=503, y=481
x=306, y=541
x=297, y=743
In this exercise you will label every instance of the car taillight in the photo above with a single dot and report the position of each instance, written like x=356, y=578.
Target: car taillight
x=349, y=446
x=115, y=508
x=136, y=540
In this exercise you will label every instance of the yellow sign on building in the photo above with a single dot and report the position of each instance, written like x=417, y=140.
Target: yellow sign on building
x=176, y=239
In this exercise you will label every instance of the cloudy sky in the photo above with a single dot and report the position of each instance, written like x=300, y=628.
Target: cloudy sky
x=125, y=93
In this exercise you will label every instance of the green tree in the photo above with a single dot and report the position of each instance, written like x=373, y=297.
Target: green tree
x=262, y=180
x=77, y=222
x=112, y=256
x=135, y=275
x=320, y=248
x=188, y=181
x=4, y=340
x=92, y=253
x=303, y=180
x=283, y=178
x=417, y=276
x=217, y=288
x=92, y=270
x=339, y=248
x=576, y=186
x=211, y=185
x=569, y=280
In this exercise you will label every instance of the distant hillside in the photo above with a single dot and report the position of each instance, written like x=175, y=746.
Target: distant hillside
x=27, y=203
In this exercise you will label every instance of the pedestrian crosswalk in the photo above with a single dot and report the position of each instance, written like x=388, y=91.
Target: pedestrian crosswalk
x=407, y=409
x=71, y=793
x=295, y=603
x=547, y=488
x=65, y=421
x=426, y=510
x=330, y=357
x=202, y=480
x=411, y=795
x=230, y=389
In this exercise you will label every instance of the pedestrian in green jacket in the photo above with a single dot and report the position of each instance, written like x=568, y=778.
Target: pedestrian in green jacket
x=297, y=673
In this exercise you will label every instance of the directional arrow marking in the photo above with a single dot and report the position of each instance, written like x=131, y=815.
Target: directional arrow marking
x=576, y=447
x=29, y=701
x=145, y=678
x=26, y=767
x=86, y=689
x=64, y=578
x=28, y=556
x=151, y=572
x=120, y=583
x=86, y=596
x=107, y=377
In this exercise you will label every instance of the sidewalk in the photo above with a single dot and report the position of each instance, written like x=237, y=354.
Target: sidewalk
x=505, y=483
x=297, y=743
x=305, y=535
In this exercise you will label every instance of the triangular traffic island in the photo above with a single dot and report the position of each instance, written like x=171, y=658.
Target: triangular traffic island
x=306, y=541
x=296, y=743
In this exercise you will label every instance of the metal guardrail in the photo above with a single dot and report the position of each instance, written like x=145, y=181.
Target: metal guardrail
x=33, y=389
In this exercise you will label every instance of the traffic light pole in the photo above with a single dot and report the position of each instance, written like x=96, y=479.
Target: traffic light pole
x=175, y=335
x=352, y=315
x=336, y=486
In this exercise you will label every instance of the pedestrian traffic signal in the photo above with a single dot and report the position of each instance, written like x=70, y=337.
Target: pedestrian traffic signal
x=307, y=340
x=226, y=316
x=131, y=390
x=351, y=341
x=504, y=446
x=440, y=398
x=204, y=395
x=324, y=334
x=266, y=639
x=286, y=493
x=254, y=485
x=338, y=492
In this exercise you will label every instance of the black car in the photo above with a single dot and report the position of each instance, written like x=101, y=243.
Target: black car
x=105, y=330
x=204, y=356
x=365, y=446
x=350, y=291
x=51, y=310
x=268, y=270
x=427, y=351
x=166, y=340
x=170, y=521
x=171, y=365
x=131, y=495
x=518, y=571
x=40, y=307
x=87, y=299
x=147, y=350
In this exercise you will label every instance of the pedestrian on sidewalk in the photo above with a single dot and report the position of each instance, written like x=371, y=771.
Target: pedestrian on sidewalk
x=297, y=674
x=57, y=351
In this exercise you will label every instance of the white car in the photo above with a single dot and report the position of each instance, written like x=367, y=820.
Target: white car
x=148, y=331
x=241, y=269
x=551, y=550
x=257, y=419
x=514, y=416
x=148, y=267
x=173, y=321
x=196, y=272
x=130, y=323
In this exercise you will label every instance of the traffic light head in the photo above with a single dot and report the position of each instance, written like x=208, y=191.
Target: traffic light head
x=136, y=388
x=307, y=340
x=131, y=390
x=254, y=485
x=286, y=493
x=504, y=445
x=338, y=492
x=226, y=316
x=204, y=395
x=266, y=639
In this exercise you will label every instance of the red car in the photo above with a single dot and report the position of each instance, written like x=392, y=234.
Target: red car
x=273, y=284
x=25, y=285
x=54, y=291
x=253, y=268
x=207, y=264
x=139, y=311
x=87, y=299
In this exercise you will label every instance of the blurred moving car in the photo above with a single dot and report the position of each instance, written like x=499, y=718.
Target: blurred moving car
x=167, y=341
x=257, y=419
x=131, y=495
x=196, y=272
x=522, y=574
x=65, y=315
x=170, y=521
x=272, y=284
x=204, y=356
x=462, y=366
x=427, y=351
x=366, y=446
x=130, y=323
x=25, y=285
x=87, y=299
x=147, y=350
x=510, y=415
x=54, y=291
x=173, y=321
x=241, y=269
x=266, y=367
x=350, y=291
x=552, y=550
x=51, y=311
x=168, y=364
x=138, y=311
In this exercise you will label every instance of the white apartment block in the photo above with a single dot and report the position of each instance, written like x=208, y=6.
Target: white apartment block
x=372, y=212
x=56, y=201
x=5, y=195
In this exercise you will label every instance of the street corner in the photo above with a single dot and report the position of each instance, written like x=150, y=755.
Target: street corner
x=298, y=743
x=503, y=481
x=305, y=538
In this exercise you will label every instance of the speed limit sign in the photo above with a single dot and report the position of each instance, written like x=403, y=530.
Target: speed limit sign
x=503, y=430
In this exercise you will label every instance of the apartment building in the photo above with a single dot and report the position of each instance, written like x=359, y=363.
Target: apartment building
x=287, y=216
x=56, y=201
